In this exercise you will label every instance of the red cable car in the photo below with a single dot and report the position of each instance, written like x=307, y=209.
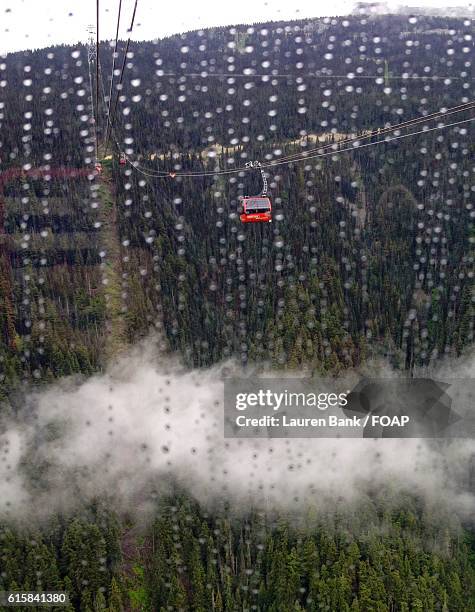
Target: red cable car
x=98, y=168
x=257, y=209
x=122, y=159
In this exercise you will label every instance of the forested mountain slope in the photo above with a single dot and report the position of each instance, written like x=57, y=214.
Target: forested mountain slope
x=370, y=250
x=377, y=560
x=370, y=253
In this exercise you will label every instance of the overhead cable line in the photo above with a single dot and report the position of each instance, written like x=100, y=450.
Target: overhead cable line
x=391, y=128
x=303, y=158
x=111, y=115
x=114, y=55
x=97, y=67
x=109, y=124
x=204, y=74
x=369, y=144
x=334, y=146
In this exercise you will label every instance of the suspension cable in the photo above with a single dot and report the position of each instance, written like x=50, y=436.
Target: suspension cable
x=320, y=150
x=97, y=67
x=334, y=146
x=350, y=77
x=111, y=116
x=369, y=144
x=381, y=131
x=318, y=155
x=113, y=69
x=304, y=156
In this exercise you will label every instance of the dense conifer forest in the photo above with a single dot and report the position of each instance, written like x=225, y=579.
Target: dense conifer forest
x=370, y=255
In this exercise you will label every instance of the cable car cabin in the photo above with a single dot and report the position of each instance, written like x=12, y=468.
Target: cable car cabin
x=99, y=168
x=122, y=159
x=257, y=209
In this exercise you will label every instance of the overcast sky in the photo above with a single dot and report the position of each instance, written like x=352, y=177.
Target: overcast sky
x=26, y=24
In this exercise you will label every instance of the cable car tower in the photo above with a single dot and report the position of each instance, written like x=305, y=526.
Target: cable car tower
x=92, y=61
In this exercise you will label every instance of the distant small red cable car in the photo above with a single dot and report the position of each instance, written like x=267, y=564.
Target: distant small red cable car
x=98, y=168
x=257, y=209
x=122, y=159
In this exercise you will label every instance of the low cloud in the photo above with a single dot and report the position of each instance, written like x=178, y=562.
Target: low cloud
x=149, y=426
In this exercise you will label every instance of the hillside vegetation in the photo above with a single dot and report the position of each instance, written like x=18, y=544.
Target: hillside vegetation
x=370, y=254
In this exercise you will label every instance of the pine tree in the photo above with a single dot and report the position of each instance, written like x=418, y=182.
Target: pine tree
x=115, y=597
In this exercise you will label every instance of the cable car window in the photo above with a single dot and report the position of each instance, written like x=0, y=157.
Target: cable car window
x=257, y=205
